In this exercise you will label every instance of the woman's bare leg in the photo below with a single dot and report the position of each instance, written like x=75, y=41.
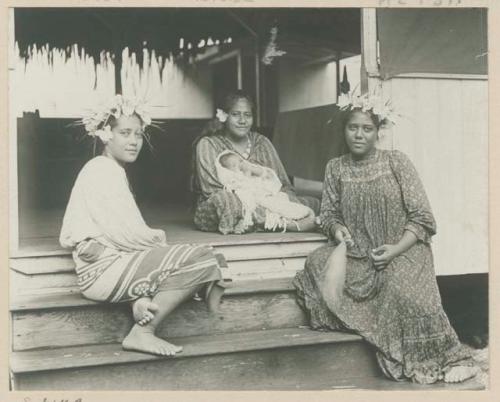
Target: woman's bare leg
x=332, y=287
x=143, y=338
x=213, y=297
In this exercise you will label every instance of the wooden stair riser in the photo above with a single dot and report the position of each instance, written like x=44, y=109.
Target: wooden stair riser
x=21, y=283
x=302, y=367
x=240, y=252
x=104, y=323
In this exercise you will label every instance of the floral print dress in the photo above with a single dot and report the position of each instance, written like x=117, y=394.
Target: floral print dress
x=397, y=309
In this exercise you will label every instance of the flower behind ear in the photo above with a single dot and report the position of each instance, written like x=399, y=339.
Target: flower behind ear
x=104, y=134
x=221, y=115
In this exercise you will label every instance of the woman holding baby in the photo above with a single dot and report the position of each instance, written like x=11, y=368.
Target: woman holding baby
x=217, y=208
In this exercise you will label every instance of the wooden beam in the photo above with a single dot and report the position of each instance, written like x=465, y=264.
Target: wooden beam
x=257, y=83
x=12, y=139
x=118, y=69
x=304, y=42
x=337, y=76
x=477, y=77
x=369, y=46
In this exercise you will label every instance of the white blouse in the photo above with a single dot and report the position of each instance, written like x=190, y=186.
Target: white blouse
x=103, y=208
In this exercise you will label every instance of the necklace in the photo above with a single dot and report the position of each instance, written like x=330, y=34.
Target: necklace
x=246, y=153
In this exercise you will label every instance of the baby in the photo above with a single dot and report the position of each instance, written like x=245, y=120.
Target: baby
x=236, y=163
x=257, y=185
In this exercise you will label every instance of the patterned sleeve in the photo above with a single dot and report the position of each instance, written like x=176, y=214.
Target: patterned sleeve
x=206, y=155
x=419, y=218
x=330, y=213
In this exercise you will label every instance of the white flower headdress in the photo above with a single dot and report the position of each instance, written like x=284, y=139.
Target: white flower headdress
x=369, y=103
x=97, y=121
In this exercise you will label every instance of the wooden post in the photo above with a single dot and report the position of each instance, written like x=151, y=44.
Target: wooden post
x=337, y=76
x=118, y=44
x=257, y=82
x=240, y=70
x=118, y=67
x=12, y=140
x=370, y=65
x=369, y=46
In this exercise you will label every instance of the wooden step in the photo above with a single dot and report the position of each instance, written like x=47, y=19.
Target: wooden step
x=231, y=244
x=239, y=252
x=284, y=359
x=292, y=358
x=25, y=279
x=267, y=256
x=72, y=297
x=68, y=319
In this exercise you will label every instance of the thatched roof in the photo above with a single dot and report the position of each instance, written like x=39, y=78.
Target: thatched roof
x=310, y=32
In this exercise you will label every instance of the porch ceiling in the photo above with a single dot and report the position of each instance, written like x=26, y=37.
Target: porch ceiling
x=305, y=33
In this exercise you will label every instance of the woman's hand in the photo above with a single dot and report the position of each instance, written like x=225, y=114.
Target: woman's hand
x=343, y=235
x=383, y=255
x=159, y=238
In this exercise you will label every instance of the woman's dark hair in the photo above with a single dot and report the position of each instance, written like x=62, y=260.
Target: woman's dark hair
x=348, y=115
x=214, y=126
x=234, y=97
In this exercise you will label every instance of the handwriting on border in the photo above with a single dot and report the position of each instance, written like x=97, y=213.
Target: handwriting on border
x=423, y=3
x=51, y=399
x=224, y=1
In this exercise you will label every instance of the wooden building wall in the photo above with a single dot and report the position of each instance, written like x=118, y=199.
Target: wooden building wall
x=444, y=130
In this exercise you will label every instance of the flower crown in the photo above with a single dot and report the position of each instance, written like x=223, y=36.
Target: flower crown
x=96, y=122
x=369, y=103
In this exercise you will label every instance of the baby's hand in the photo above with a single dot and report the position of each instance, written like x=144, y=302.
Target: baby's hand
x=268, y=174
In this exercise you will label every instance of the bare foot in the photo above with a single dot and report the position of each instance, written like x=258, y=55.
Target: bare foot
x=460, y=373
x=143, y=310
x=143, y=340
x=213, y=297
x=240, y=227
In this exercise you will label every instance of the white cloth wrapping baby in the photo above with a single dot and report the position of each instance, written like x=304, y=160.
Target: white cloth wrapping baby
x=260, y=191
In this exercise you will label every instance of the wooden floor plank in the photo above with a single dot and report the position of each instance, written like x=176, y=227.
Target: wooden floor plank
x=94, y=355
x=40, y=234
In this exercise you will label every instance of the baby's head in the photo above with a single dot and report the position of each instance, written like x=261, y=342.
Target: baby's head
x=230, y=161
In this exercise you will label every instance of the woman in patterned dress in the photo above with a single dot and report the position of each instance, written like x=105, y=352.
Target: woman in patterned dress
x=118, y=257
x=375, y=205
x=221, y=210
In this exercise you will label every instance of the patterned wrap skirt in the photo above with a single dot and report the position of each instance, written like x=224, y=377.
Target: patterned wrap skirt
x=223, y=212
x=109, y=275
